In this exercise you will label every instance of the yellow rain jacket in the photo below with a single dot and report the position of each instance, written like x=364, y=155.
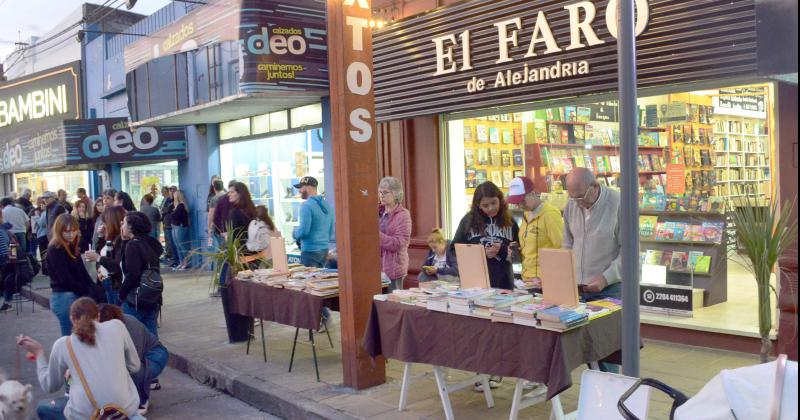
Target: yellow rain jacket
x=542, y=228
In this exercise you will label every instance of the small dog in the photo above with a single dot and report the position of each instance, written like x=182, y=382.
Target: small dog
x=15, y=399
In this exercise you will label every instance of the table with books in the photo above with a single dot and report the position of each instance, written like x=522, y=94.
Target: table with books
x=510, y=334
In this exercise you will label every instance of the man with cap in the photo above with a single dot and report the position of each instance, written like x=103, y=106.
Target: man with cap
x=541, y=226
x=54, y=209
x=316, y=224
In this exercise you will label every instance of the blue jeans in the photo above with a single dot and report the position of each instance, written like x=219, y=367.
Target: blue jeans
x=112, y=296
x=180, y=238
x=148, y=318
x=155, y=231
x=54, y=410
x=611, y=291
x=169, y=250
x=155, y=360
x=60, y=303
x=313, y=258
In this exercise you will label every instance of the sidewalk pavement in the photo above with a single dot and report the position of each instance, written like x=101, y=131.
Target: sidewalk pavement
x=193, y=330
x=179, y=397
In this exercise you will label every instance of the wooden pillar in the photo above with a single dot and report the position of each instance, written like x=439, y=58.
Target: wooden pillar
x=356, y=175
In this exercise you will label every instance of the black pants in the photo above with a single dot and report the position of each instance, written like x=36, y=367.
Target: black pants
x=42, y=241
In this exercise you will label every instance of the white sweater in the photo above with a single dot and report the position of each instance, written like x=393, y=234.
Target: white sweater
x=107, y=366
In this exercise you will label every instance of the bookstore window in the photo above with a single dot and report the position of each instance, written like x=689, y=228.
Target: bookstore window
x=700, y=155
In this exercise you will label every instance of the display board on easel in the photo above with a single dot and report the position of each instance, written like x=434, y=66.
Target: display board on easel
x=472, y=266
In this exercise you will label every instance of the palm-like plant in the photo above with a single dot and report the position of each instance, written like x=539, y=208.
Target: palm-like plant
x=229, y=253
x=765, y=234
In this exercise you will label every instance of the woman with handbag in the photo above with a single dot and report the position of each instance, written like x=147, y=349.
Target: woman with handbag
x=100, y=358
x=110, y=246
x=68, y=276
x=140, y=255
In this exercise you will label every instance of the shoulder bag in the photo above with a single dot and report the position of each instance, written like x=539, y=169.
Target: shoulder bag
x=148, y=294
x=106, y=412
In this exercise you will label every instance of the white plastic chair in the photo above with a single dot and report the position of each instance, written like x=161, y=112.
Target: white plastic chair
x=600, y=392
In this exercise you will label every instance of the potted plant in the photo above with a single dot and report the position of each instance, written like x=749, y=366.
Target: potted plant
x=227, y=263
x=764, y=234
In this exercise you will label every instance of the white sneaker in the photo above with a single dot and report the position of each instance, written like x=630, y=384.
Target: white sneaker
x=143, y=408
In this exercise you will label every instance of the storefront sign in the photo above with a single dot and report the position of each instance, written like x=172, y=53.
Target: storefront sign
x=283, y=44
x=482, y=53
x=666, y=299
x=32, y=148
x=112, y=141
x=47, y=97
x=745, y=99
x=676, y=179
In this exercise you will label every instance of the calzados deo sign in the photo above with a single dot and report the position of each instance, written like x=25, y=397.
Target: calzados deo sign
x=112, y=141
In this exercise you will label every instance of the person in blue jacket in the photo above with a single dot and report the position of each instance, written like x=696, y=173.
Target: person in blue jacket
x=315, y=231
x=441, y=262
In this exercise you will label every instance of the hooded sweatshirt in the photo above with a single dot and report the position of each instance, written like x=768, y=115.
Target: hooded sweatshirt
x=139, y=254
x=316, y=225
x=541, y=228
x=501, y=276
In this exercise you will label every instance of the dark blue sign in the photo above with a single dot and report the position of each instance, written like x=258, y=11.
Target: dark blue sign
x=111, y=140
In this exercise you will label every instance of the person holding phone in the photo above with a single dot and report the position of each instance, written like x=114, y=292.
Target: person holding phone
x=490, y=224
x=441, y=262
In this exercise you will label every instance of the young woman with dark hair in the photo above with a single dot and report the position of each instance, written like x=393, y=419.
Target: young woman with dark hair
x=69, y=279
x=86, y=223
x=124, y=200
x=259, y=232
x=105, y=357
x=141, y=253
x=242, y=210
x=108, y=258
x=489, y=223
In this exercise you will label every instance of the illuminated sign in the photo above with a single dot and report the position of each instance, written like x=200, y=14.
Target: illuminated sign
x=50, y=96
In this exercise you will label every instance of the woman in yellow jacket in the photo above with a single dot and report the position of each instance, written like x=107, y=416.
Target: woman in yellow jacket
x=542, y=226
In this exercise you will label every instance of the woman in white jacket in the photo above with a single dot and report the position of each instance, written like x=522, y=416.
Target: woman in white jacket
x=260, y=230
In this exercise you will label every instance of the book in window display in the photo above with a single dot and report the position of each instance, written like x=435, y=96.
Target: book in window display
x=565, y=139
x=495, y=155
x=483, y=156
x=480, y=176
x=469, y=137
x=517, y=153
x=703, y=264
x=507, y=136
x=571, y=114
x=483, y=133
x=494, y=135
x=496, y=178
x=469, y=157
x=505, y=158
x=584, y=114
x=680, y=261
x=666, y=259
x=540, y=131
x=553, y=134
x=470, y=178
x=647, y=227
x=653, y=256
x=580, y=134
x=712, y=231
x=694, y=256
x=508, y=176
x=518, y=173
x=517, y=133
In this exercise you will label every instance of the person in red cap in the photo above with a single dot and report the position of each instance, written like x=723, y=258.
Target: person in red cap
x=542, y=226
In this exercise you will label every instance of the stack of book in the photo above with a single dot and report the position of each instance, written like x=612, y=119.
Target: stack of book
x=600, y=308
x=525, y=314
x=484, y=306
x=462, y=302
x=323, y=287
x=560, y=318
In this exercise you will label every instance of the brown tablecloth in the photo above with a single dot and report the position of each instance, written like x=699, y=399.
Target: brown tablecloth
x=417, y=335
x=284, y=306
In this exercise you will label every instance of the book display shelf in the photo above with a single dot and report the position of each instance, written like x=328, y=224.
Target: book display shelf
x=493, y=151
x=691, y=246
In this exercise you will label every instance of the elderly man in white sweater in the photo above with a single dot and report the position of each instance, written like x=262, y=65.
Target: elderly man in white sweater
x=591, y=230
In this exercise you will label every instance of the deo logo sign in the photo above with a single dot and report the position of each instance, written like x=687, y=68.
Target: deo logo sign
x=120, y=142
x=280, y=42
x=11, y=156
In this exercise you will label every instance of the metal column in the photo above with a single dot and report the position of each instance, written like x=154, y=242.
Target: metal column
x=629, y=186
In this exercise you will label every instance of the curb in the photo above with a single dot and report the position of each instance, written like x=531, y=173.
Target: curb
x=266, y=396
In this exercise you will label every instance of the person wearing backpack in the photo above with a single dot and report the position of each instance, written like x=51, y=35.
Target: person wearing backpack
x=100, y=358
x=141, y=288
x=259, y=231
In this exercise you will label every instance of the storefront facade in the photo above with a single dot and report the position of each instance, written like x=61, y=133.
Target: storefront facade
x=531, y=92
x=250, y=86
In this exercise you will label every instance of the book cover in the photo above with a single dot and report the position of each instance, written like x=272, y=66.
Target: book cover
x=494, y=135
x=571, y=114
x=517, y=133
x=665, y=231
x=584, y=114
x=694, y=233
x=680, y=261
x=518, y=173
x=647, y=227
x=540, y=131
x=694, y=256
x=553, y=134
x=712, y=231
x=470, y=179
x=614, y=160
x=483, y=156
x=588, y=134
x=483, y=133
x=480, y=176
x=703, y=264
x=469, y=157
x=680, y=230
x=505, y=157
x=653, y=256
x=580, y=134
x=495, y=157
x=507, y=137
x=469, y=137
x=497, y=178
x=508, y=176
x=517, y=157
x=564, y=133
x=599, y=164
x=666, y=259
